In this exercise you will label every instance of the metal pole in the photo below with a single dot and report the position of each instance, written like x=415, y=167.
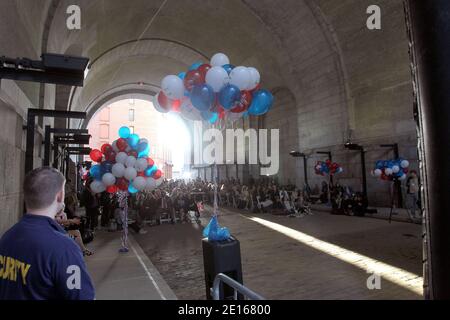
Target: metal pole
x=305, y=170
x=47, y=146
x=29, y=153
x=428, y=24
x=364, y=177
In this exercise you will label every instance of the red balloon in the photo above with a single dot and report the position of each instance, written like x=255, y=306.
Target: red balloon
x=203, y=69
x=164, y=102
x=96, y=155
x=193, y=78
x=244, y=103
x=141, y=174
x=150, y=162
x=122, y=144
x=122, y=184
x=106, y=148
x=110, y=156
x=157, y=174
x=112, y=189
x=133, y=153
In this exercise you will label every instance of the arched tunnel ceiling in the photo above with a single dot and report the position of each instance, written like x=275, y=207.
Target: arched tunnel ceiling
x=126, y=46
x=319, y=50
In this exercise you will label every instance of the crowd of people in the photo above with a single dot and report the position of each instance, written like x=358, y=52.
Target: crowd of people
x=182, y=201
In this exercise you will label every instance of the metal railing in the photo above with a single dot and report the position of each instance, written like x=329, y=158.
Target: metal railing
x=237, y=287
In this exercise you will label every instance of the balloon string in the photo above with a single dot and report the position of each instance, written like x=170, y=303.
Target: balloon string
x=216, y=206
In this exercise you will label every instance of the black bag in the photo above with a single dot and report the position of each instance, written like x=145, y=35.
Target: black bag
x=87, y=236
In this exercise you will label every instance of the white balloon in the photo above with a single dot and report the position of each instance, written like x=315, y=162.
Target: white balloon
x=108, y=179
x=121, y=157
x=128, y=149
x=173, y=87
x=98, y=186
x=395, y=169
x=141, y=164
x=130, y=162
x=255, y=78
x=150, y=184
x=388, y=171
x=404, y=164
x=139, y=183
x=377, y=173
x=240, y=77
x=403, y=177
x=118, y=170
x=219, y=60
x=114, y=146
x=217, y=78
x=130, y=173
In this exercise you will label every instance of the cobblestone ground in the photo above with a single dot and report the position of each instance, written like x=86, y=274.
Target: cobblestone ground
x=279, y=267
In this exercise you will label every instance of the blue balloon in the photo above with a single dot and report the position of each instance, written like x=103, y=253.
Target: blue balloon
x=133, y=140
x=106, y=167
x=149, y=171
x=145, y=152
x=229, y=95
x=379, y=164
x=182, y=75
x=195, y=65
x=261, y=103
x=141, y=146
x=203, y=97
x=228, y=68
x=124, y=132
x=96, y=172
x=132, y=189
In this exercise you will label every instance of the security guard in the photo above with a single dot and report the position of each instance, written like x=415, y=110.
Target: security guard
x=38, y=260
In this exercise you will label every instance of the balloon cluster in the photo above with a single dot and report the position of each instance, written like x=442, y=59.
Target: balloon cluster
x=327, y=167
x=124, y=165
x=390, y=170
x=214, y=91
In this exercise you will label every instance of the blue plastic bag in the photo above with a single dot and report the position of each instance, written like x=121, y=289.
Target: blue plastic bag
x=214, y=232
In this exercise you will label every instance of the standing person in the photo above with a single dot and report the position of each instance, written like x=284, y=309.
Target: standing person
x=412, y=190
x=91, y=205
x=38, y=260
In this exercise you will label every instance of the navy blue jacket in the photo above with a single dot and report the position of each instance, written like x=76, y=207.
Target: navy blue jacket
x=39, y=261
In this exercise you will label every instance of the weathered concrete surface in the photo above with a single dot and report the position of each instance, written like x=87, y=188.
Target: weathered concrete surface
x=124, y=276
x=278, y=267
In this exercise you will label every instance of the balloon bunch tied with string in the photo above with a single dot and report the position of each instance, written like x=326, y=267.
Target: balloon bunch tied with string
x=390, y=170
x=124, y=165
x=213, y=92
x=327, y=167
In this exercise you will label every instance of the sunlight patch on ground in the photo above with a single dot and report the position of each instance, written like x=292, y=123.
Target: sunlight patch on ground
x=393, y=274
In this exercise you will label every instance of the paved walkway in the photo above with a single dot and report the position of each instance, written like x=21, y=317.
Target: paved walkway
x=399, y=214
x=316, y=257
x=124, y=276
